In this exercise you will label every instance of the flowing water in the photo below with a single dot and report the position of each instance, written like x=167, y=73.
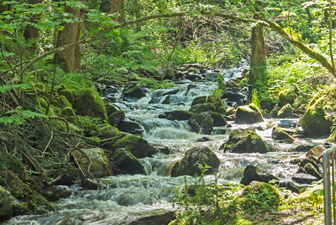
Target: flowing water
x=129, y=197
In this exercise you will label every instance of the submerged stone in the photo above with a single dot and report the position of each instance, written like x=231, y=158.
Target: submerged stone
x=245, y=141
x=193, y=157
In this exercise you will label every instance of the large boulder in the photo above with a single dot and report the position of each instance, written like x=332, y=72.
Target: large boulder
x=303, y=178
x=162, y=218
x=90, y=104
x=126, y=162
x=286, y=112
x=252, y=173
x=201, y=123
x=93, y=162
x=192, y=159
x=202, y=108
x=218, y=119
x=245, y=141
x=286, y=96
x=134, y=92
x=178, y=115
x=248, y=115
x=131, y=126
x=314, y=119
x=138, y=146
x=116, y=118
x=5, y=206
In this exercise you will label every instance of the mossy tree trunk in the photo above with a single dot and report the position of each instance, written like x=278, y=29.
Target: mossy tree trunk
x=70, y=59
x=31, y=31
x=110, y=6
x=258, y=70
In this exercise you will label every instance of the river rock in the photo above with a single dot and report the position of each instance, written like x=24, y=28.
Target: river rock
x=286, y=112
x=287, y=124
x=163, y=218
x=93, y=162
x=131, y=126
x=201, y=123
x=310, y=160
x=116, y=118
x=134, y=92
x=314, y=122
x=126, y=162
x=302, y=178
x=252, y=173
x=89, y=103
x=303, y=148
x=203, y=108
x=218, y=119
x=286, y=96
x=292, y=187
x=89, y=184
x=279, y=134
x=193, y=77
x=179, y=115
x=231, y=111
x=248, y=115
x=235, y=96
x=310, y=169
x=222, y=110
x=138, y=146
x=245, y=141
x=192, y=158
x=316, y=151
x=208, y=99
x=5, y=206
x=234, y=84
x=110, y=109
x=170, y=73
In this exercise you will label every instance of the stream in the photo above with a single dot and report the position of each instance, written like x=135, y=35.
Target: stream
x=130, y=197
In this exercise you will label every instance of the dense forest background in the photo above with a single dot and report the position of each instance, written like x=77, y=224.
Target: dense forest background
x=52, y=54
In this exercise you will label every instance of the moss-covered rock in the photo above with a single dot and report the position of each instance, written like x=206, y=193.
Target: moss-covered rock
x=110, y=109
x=131, y=126
x=69, y=95
x=201, y=123
x=87, y=125
x=69, y=114
x=204, y=107
x=314, y=122
x=222, y=110
x=245, y=141
x=138, y=146
x=217, y=102
x=286, y=96
x=116, y=117
x=286, y=112
x=268, y=196
x=5, y=206
x=126, y=162
x=310, y=169
x=231, y=111
x=108, y=131
x=279, y=134
x=90, y=104
x=218, y=119
x=248, y=115
x=178, y=115
x=192, y=159
x=252, y=173
x=134, y=92
x=93, y=162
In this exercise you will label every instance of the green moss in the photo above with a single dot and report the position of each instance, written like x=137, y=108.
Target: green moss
x=217, y=102
x=222, y=110
x=90, y=104
x=69, y=114
x=278, y=134
x=65, y=101
x=248, y=115
x=43, y=102
x=286, y=96
x=69, y=95
x=241, y=221
x=245, y=141
x=286, y=112
x=110, y=109
x=90, y=127
x=10, y=162
x=108, y=131
x=203, y=108
x=314, y=118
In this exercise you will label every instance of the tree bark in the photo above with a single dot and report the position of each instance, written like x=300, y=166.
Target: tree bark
x=110, y=6
x=31, y=31
x=70, y=59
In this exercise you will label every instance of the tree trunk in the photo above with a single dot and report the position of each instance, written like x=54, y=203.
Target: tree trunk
x=6, y=7
x=258, y=59
x=110, y=6
x=31, y=31
x=70, y=59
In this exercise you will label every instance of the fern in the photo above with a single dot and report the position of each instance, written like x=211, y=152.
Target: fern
x=6, y=88
x=19, y=116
